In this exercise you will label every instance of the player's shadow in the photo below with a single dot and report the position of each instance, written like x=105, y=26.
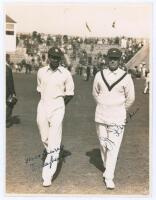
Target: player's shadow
x=63, y=156
x=95, y=158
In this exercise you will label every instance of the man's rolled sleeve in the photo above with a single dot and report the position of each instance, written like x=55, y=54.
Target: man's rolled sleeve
x=69, y=85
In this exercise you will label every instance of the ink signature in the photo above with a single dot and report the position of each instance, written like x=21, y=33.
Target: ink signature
x=131, y=115
x=62, y=155
x=55, y=150
x=30, y=159
x=106, y=142
x=39, y=156
x=55, y=156
x=52, y=160
x=116, y=129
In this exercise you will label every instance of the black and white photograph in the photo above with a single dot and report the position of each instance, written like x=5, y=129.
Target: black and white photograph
x=78, y=98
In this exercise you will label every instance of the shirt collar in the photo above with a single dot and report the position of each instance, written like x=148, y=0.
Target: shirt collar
x=58, y=69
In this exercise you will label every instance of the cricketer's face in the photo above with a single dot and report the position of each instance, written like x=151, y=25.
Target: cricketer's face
x=113, y=64
x=54, y=62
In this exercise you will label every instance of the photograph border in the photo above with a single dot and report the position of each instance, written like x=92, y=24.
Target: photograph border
x=152, y=126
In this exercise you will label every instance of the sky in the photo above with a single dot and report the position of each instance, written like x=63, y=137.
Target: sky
x=130, y=19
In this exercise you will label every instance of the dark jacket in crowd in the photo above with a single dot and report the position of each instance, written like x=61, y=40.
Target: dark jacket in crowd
x=10, y=90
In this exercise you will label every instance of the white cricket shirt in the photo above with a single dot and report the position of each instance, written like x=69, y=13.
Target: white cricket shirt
x=112, y=102
x=53, y=86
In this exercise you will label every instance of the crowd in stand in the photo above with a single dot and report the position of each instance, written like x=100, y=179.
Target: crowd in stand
x=84, y=56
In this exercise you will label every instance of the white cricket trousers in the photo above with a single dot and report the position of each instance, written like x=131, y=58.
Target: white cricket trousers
x=110, y=137
x=146, y=87
x=50, y=128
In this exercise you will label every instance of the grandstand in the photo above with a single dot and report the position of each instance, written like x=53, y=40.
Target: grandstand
x=139, y=57
x=18, y=55
x=36, y=45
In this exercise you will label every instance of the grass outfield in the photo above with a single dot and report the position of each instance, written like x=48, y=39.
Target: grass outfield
x=81, y=172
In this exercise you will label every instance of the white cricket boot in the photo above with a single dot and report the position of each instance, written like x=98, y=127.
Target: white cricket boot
x=109, y=184
x=47, y=183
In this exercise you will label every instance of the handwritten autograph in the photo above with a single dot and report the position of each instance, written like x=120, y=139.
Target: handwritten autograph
x=30, y=159
x=39, y=156
x=131, y=115
x=52, y=160
x=118, y=129
x=106, y=142
x=61, y=152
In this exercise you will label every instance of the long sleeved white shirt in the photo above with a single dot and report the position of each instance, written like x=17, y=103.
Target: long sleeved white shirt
x=53, y=86
x=112, y=102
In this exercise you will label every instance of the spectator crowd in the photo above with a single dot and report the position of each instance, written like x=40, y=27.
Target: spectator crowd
x=84, y=56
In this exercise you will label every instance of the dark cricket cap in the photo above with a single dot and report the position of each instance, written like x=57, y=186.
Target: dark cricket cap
x=55, y=52
x=114, y=53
